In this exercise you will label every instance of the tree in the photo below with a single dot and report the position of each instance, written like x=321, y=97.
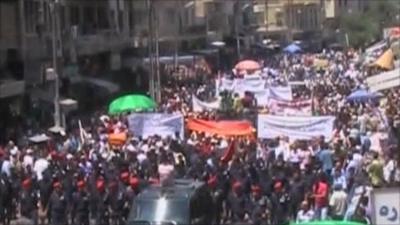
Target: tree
x=360, y=29
x=365, y=27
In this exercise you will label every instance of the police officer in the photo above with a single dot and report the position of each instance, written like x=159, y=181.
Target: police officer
x=217, y=196
x=261, y=215
x=237, y=202
x=29, y=201
x=80, y=203
x=58, y=205
x=116, y=203
x=102, y=201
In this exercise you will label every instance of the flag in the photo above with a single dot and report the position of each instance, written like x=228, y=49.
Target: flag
x=229, y=152
x=82, y=133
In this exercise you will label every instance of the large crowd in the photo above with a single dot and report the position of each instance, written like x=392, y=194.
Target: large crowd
x=73, y=180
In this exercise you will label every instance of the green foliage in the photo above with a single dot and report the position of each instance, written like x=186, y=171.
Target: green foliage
x=365, y=27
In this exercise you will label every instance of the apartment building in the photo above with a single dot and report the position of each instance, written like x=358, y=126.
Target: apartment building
x=336, y=8
x=11, y=66
x=93, y=30
x=287, y=18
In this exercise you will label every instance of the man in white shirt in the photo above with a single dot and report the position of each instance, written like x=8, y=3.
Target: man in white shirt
x=39, y=167
x=338, y=202
x=305, y=214
x=28, y=159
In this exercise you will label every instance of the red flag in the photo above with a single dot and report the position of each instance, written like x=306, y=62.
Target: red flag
x=229, y=152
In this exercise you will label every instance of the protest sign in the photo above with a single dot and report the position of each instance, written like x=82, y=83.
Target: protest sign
x=200, y=106
x=303, y=128
x=162, y=124
x=290, y=108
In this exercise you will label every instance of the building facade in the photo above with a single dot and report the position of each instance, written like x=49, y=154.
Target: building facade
x=287, y=19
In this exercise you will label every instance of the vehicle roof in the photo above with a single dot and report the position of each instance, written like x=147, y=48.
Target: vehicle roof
x=181, y=189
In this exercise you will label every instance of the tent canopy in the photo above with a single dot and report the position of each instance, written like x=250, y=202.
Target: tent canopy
x=223, y=128
x=131, y=103
x=363, y=95
x=386, y=60
x=248, y=65
x=292, y=48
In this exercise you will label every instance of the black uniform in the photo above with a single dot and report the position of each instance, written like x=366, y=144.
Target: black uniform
x=80, y=209
x=6, y=199
x=237, y=206
x=29, y=208
x=102, y=208
x=117, y=201
x=58, y=208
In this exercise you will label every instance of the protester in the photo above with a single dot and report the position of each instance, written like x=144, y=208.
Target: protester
x=80, y=177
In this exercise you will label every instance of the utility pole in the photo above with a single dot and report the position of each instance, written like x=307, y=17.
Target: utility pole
x=177, y=33
x=158, y=78
x=266, y=17
x=237, y=11
x=150, y=48
x=53, y=72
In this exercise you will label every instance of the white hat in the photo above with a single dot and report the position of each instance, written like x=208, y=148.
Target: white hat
x=29, y=151
x=14, y=151
x=69, y=156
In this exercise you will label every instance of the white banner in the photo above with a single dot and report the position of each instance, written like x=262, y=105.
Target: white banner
x=255, y=85
x=162, y=124
x=384, y=80
x=200, y=106
x=290, y=108
x=386, y=206
x=281, y=93
x=304, y=128
x=241, y=85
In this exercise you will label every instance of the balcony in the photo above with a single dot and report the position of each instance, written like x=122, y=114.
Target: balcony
x=9, y=88
x=100, y=42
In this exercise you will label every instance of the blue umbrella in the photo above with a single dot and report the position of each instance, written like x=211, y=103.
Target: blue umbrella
x=362, y=95
x=292, y=48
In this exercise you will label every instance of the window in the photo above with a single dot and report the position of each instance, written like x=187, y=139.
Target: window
x=31, y=15
x=279, y=18
x=89, y=16
x=260, y=19
x=61, y=10
x=74, y=15
x=102, y=18
x=170, y=13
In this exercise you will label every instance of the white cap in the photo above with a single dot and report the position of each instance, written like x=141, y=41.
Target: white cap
x=69, y=156
x=29, y=151
x=14, y=151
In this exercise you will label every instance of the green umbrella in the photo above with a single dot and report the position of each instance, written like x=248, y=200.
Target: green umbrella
x=329, y=222
x=131, y=103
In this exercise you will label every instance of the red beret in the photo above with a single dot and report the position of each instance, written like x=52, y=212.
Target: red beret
x=134, y=182
x=124, y=176
x=53, y=154
x=212, y=181
x=100, y=184
x=27, y=183
x=256, y=189
x=278, y=185
x=80, y=184
x=57, y=185
x=237, y=185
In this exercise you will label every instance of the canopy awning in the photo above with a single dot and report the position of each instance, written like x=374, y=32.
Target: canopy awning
x=386, y=60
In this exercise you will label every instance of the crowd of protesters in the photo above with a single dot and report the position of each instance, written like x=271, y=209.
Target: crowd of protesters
x=75, y=180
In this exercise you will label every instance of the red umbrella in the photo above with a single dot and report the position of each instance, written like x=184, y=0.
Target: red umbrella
x=248, y=65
